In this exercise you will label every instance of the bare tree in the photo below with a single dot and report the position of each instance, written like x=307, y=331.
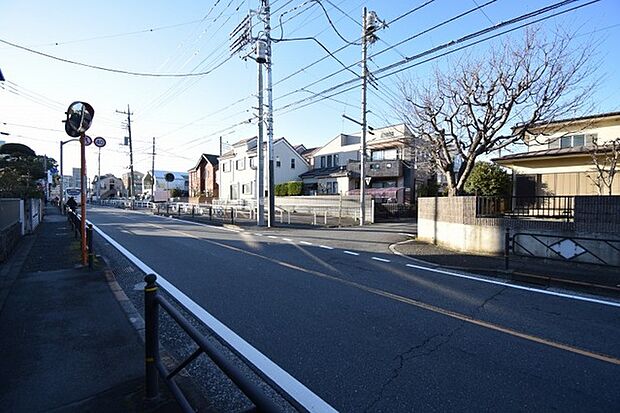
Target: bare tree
x=468, y=110
x=605, y=157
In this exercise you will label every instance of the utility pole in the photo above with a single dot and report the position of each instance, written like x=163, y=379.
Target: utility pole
x=369, y=27
x=221, y=146
x=260, y=180
x=131, y=188
x=153, y=172
x=363, y=143
x=270, y=171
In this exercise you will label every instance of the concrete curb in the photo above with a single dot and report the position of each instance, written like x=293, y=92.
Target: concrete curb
x=517, y=276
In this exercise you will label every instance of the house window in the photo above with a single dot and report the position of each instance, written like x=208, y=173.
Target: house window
x=226, y=166
x=322, y=162
x=240, y=164
x=292, y=163
x=336, y=160
x=571, y=141
x=246, y=188
x=329, y=161
x=252, y=162
x=278, y=163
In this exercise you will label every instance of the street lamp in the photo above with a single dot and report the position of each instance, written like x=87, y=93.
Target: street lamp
x=62, y=194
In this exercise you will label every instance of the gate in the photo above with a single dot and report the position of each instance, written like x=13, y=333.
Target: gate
x=394, y=212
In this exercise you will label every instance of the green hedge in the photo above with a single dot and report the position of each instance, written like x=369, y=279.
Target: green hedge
x=289, y=188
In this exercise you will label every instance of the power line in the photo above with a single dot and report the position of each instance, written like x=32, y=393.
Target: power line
x=309, y=101
x=108, y=69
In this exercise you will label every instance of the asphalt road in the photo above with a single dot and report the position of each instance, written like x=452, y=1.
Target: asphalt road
x=367, y=332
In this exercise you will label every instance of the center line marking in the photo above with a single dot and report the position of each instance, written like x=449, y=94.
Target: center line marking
x=271, y=236
x=287, y=239
x=326, y=247
x=380, y=259
x=305, y=242
x=350, y=252
x=258, y=235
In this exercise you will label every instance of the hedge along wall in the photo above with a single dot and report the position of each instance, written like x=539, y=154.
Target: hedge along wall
x=292, y=188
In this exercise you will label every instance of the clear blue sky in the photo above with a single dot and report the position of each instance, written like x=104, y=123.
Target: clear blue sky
x=188, y=115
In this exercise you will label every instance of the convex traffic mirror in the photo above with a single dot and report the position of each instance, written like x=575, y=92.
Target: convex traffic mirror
x=79, y=118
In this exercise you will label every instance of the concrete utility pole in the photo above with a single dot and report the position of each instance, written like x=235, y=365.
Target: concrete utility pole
x=363, y=143
x=260, y=179
x=131, y=187
x=153, y=171
x=270, y=171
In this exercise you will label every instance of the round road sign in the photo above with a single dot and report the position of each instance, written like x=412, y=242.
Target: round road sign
x=169, y=177
x=87, y=140
x=99, y=142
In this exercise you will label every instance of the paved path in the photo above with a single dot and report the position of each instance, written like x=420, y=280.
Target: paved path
x=367, y=331
x=66, y=344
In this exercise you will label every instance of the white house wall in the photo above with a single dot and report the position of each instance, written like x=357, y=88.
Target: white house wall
x=604, y=133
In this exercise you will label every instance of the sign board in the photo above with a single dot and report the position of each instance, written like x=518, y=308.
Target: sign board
x=87, y=140
x=99, y=142
x=169, y=177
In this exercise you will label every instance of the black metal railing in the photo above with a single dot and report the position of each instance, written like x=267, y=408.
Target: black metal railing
x=552, y=207
x=75, y=221
x=154, y=365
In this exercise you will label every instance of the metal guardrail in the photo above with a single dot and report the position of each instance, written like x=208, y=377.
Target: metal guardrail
x=74, y=220
x=152, y=303
x=554, y=207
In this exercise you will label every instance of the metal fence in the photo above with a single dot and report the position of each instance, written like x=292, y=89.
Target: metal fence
x=552, y=207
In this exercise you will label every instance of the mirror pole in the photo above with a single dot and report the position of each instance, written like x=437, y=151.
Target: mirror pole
x=83, y=197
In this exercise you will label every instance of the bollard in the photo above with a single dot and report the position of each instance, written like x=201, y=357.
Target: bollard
x=289, y=217
x=89, y=243
x=210, y=213
x=193, y=210
x=179, y=210
x=151, y=336
x=506, y=248
x=281, y=216
x=314, y=214
x=167, y=209
x=325, y=218
x=232, y=215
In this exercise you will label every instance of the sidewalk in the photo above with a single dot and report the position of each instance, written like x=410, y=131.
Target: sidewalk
x=594, y=279
x=65, y=341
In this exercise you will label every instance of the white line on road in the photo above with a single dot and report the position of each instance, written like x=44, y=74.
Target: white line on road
x=350, y=252
x=406, y=234
x=279, y=376
x=305, y=243
x=380, y=259
x=517, y=287
x=272, y=237
x=287, y=239
x=258, y=235
x=325, y=247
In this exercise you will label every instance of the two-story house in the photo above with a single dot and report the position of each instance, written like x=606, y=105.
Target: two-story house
x=109, y=186
x=176, y=180
x=137, y=184
x=238, y=167
x=203, y=185
x=392, y=165
x=559, y=157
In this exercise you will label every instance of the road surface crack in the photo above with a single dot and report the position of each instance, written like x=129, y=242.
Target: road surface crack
x=411, y=354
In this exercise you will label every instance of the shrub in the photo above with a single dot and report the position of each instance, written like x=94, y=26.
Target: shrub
x=281, y=189
x=488, y=179
x=294, y=188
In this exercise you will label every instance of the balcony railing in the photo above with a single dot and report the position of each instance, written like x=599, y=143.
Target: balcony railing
x=386, y=168
x=552, y=207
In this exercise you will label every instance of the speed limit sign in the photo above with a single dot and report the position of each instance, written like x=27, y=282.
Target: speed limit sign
x=99, y=142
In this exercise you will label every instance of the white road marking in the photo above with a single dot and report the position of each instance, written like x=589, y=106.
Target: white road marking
x=380, y=259
x=287, y=239
x=305, y=243
x=406, y=234
x=517, y=287
x=272, y=237
x=350, y=252
x=325, y=247
x=258, y=235
x=279, y=376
